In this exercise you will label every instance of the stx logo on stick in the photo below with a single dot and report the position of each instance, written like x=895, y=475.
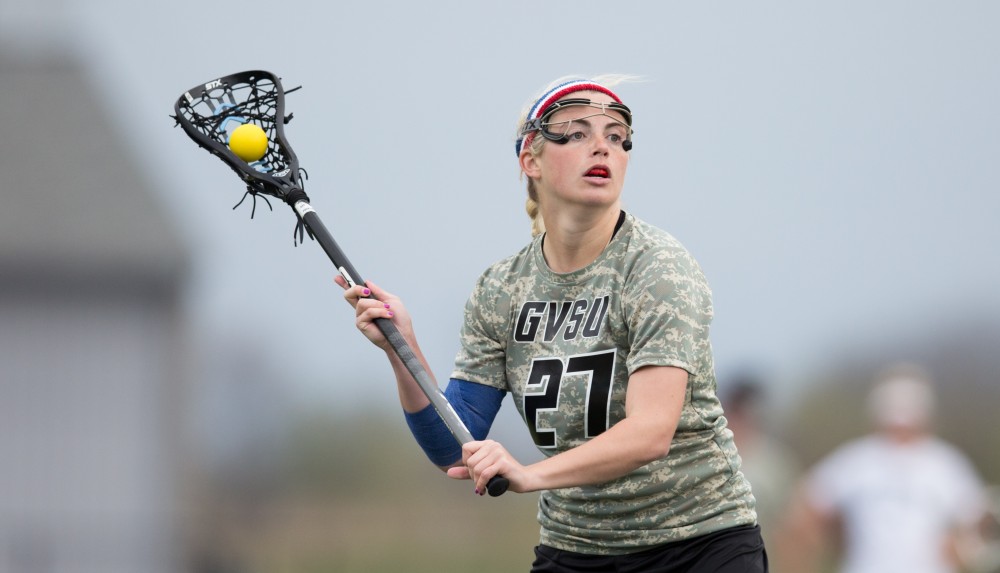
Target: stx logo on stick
x=573, y=318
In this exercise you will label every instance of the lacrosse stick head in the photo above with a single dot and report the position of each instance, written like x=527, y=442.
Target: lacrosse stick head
x=210, y=112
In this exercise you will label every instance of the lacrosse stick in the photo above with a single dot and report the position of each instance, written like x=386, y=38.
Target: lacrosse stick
x=209, y=113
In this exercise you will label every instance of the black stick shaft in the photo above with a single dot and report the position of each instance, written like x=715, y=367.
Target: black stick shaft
x=498, y=484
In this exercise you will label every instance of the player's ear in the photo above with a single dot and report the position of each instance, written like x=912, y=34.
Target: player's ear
x=530, y=164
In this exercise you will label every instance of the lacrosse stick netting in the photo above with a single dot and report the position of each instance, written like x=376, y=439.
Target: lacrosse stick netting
x=210, y=112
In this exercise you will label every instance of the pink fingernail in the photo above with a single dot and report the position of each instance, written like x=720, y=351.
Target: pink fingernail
x=386, y=305
x=390, y=313
x=477, y=491
x=367, y=292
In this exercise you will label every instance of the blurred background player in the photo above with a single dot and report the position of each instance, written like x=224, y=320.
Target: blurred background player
x=899, y=499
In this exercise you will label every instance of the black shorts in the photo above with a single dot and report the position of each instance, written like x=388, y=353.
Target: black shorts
x=735, y=550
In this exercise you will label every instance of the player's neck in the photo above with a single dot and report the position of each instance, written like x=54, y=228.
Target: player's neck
x=571, y=243
x=905, y=436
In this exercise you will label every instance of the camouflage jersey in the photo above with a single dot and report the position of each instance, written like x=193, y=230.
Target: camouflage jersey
x=564, y=346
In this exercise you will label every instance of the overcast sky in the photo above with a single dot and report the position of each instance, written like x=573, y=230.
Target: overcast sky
x=833, y=166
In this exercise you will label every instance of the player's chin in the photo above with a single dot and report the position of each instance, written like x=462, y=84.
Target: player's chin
x=598, y=195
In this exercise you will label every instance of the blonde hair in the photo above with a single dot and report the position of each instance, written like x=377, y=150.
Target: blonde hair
x=531, y=205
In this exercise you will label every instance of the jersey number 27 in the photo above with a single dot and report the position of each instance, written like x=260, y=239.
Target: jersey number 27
x=541, y=392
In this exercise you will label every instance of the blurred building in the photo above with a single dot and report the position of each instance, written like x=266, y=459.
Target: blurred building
x=92, y=369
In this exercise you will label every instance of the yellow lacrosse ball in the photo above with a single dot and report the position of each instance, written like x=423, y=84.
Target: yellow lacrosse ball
x=248, y=142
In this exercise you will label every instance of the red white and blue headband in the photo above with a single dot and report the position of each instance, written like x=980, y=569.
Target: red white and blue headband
x=544, y=107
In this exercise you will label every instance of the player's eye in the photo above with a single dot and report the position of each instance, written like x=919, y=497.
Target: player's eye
x=617, y=134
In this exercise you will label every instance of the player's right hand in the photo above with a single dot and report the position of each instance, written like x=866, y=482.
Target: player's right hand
x=371, y=302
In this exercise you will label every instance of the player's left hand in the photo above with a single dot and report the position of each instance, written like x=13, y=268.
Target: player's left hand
x=483, y=460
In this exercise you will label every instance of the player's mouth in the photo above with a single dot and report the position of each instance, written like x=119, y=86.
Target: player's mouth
x=598, y=171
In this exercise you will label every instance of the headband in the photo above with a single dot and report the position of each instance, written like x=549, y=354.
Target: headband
x=552, y=96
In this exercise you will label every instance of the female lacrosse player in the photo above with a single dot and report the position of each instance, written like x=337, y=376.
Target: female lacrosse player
x=599, y=329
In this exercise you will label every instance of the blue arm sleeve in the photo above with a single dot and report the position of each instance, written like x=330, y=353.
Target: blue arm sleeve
x=476, y=404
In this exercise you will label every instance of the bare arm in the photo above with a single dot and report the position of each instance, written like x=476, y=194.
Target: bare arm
x=653, y=406
x=652, y=409
x=386, y=305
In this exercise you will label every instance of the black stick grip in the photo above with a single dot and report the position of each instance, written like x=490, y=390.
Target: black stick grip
x=497, y=485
